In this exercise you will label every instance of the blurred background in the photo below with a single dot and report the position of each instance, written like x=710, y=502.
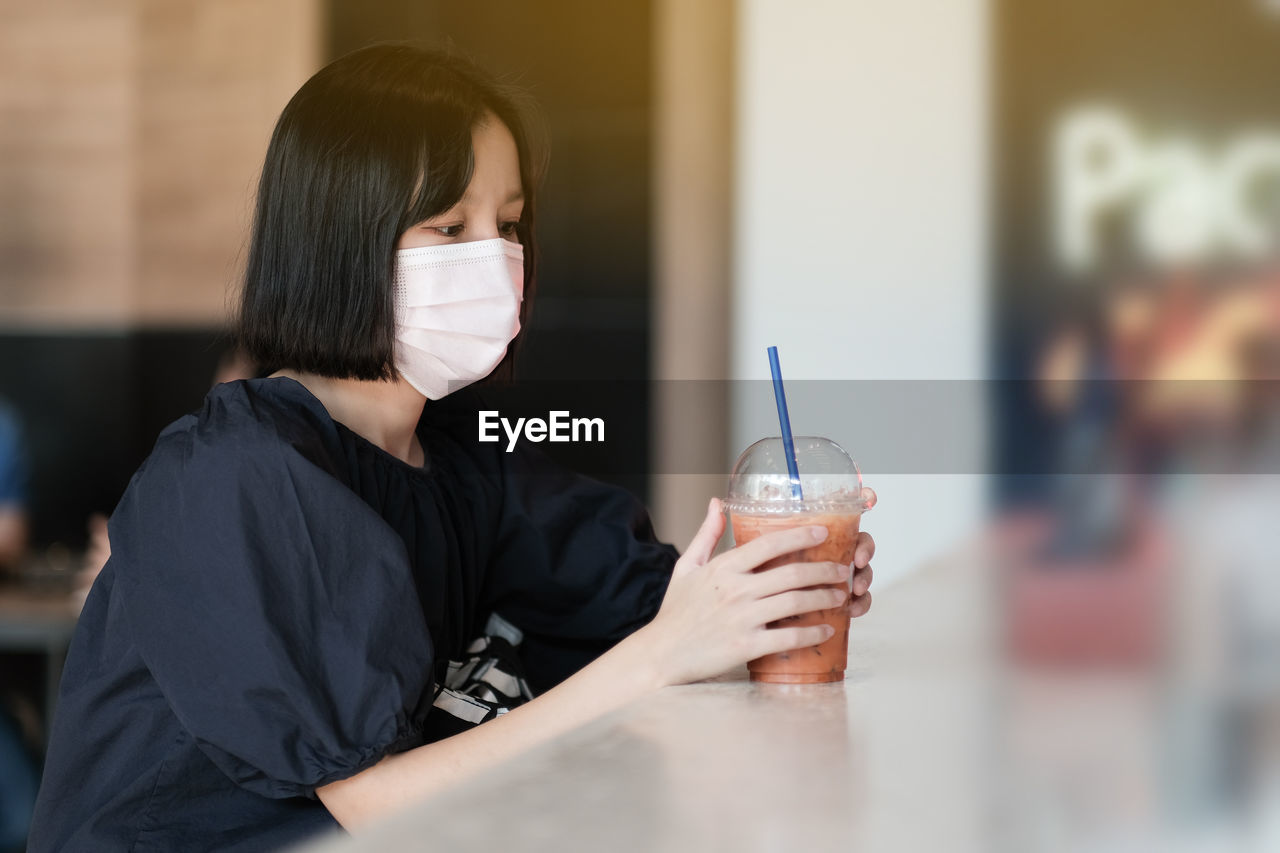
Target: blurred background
x=1020, y=258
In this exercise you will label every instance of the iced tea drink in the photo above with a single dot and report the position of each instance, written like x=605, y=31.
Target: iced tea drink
x=826, y=661
x=765, y=496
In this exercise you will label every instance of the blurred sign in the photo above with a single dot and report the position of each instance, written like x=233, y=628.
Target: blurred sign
x=1168, y=199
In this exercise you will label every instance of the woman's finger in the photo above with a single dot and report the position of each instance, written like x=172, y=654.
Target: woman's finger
x=862, y=580
x=773, y=640
x=795, y=576
x=859, y=605
x=761, y=550
x=704, y=541
x=797, y=602
x=865, y=550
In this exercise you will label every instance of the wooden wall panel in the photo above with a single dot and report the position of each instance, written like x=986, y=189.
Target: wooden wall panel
x=131, y=132
x=67, y=97
x=213, y=79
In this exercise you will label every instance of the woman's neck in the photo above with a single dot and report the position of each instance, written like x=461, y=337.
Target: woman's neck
x=384, y=413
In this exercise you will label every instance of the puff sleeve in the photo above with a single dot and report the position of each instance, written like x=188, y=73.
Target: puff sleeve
x=577, y=566
x=274, y=609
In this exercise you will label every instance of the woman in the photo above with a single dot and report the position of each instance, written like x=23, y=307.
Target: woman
x=285, y=635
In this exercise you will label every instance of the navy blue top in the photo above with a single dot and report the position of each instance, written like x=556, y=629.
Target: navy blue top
x=282, y=597
x=13, y=459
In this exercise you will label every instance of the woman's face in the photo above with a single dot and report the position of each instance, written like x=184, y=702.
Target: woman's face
x=493, y=201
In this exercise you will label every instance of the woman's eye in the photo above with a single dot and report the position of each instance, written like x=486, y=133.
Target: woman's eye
x=448, y=230
x=509, y=229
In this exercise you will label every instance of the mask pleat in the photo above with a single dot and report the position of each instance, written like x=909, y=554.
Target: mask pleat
x=457, y=308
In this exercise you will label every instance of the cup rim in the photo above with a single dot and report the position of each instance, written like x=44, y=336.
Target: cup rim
x=856, y=506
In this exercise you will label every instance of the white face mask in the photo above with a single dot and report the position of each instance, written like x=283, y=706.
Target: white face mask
x=457, y=308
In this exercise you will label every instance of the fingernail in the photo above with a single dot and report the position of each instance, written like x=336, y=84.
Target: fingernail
x=819, y=533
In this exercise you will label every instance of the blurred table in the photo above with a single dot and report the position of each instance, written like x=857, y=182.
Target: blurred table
x=933, y=742
x=39, y=618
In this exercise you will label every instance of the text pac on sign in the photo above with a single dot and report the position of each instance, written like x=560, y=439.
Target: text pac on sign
x=1176, y=201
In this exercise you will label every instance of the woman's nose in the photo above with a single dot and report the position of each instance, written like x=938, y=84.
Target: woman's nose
x=488, y=231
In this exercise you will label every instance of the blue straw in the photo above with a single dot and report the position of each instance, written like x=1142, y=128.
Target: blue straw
x=788, y=445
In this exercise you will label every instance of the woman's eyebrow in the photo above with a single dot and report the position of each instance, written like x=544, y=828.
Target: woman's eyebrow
x=512, y=197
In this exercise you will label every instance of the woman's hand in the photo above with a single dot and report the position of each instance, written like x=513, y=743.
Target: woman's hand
x=716, y=610
x=860, y=602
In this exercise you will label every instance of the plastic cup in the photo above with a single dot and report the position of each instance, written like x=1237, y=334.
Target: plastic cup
x=761, y=501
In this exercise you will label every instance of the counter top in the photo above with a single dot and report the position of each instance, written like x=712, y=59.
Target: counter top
x=933, y=742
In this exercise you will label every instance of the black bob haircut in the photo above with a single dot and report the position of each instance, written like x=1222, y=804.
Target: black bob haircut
x=374, y=143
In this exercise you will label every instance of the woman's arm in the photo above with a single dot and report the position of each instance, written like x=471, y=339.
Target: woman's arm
x=713, y=618
x=625, y=672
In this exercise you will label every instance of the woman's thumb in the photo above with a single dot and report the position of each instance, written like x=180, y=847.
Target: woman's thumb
x=704, y=541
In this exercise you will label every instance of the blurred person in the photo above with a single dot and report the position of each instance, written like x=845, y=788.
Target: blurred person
x=1074, y=382
x=326, y=598
x=14, y=526
x=19, y=779
x=18, y=775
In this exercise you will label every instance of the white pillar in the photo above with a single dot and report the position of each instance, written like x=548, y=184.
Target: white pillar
x=861, y=193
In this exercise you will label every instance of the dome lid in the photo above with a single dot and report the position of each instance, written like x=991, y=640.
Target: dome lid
x=829, y=479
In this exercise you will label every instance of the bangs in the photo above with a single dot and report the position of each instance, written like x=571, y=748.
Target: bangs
x=440, y=162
